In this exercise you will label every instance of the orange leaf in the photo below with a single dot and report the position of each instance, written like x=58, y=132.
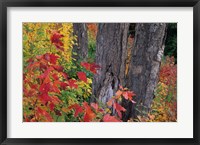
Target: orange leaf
x=118, y=94
x=128, y=95
x=110, y=102
x=89, y=114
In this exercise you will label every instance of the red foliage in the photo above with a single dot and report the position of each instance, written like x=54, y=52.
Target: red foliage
x=95, y=106
x=52, y=58
x=72, y=84
x=128, y=95
x=89, y=114
x=168, y=72
x=108, y=118
x=44, y=115
x=82, y=76
x=119, y=108
x=48, y=83
x=51, y=106
x=92, y=67
x=78, y=109
x=56, y=40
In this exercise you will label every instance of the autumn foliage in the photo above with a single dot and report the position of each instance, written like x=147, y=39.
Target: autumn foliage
x=58, y=88
x=164, y=105
x=51, y=90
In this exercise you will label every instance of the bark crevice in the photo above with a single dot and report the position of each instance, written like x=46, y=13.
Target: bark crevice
x=111, y=54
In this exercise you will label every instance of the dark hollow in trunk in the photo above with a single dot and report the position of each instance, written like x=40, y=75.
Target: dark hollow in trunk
x=111, y=52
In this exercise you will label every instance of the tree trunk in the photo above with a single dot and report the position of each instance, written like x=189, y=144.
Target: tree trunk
x=80, y=30
x=111, y=52
x=144, y=67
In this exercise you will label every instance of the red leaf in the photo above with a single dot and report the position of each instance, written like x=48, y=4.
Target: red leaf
x=30, y=60
x=52, y=58
x=78, y=109
x=108, y=118
x=40, y=113
x=72, y=84
x=47, y=56
x=94, y=105
x=47, y=80
x=27, y=120
x=33, y=65
x=45, y=88
x=91, y=67
x=119, y=108
x=39, y=57
x=46, y=73
x=63, y=85
x=94, y=67
x=82, y=76
x=89, y=114
x=43, y=66
x=34, y=86
x=85, y=65
x=51, y=106
x=58, y=68
x=58, y=46
x=64, y=75
x=128, y=95
x=86, y=117
x=55, y=76
x=31, y=93
x=55, y=39
x=55, y=86
x=44, y=98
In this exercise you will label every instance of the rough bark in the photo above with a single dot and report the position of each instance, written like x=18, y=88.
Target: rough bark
x=111, y=54
x=80, y=30
x=145, y=64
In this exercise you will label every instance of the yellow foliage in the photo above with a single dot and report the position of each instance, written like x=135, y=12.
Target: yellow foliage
x=36, y=39
x=85, y=87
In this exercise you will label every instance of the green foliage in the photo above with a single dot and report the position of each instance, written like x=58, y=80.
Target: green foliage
x=171, y=41
x=92, y=32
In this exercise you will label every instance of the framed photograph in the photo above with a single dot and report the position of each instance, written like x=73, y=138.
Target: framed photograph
x=99, y=72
